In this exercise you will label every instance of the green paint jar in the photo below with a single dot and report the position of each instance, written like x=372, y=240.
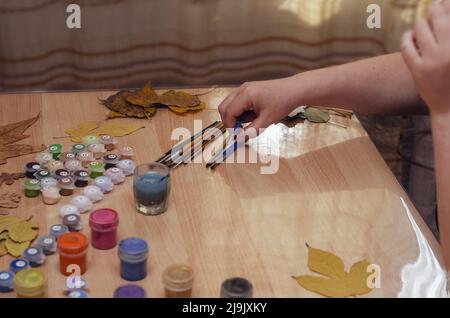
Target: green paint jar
x=32, y=188
x=96, y=169
x=55, y=150
x=78, y=148
x=90, y=140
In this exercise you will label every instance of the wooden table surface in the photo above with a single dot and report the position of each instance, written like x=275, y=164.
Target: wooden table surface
x=332, y=190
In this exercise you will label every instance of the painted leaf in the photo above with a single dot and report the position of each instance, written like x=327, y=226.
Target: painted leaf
x=22, y=232
x=315, y=115
x=112, y=114
x=82, y=130
x=179, y=99
x=117, y=129
x=144, y=97
x=16, y=249
x=3, y=250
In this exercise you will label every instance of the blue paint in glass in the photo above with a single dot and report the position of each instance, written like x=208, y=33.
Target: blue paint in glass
x=133, y=254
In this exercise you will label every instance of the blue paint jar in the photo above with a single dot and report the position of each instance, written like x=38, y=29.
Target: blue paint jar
x=47, y=244
x=6, y=282
x=130, y=291
x=18, y=264
x=34, y=255
x=78, y=293
x=56, y=230
x=133, y=253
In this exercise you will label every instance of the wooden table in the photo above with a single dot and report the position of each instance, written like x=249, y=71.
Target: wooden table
x=332, y=190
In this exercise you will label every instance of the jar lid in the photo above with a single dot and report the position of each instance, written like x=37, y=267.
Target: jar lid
x=65, y=156
x=30, y=280
x=103, y=218
x=111, y=158
x=85, y=156
x=71, y=219
x=49, y=182
x=62, y=173
x=81, y=175
x=18, y=264
x=96, y=166
x=106, y=139
x=78, y=147
x=78, y=293
x=72, y=243
x=133, y=246
x=66, y=182
x=178, y=277
x=6, y=277
x=55, y=148
x=46, y=241
x=236, y=287
x=41, y=174
x=32, y=166
x=90, y=139
x=32, y=184
x=129, y=291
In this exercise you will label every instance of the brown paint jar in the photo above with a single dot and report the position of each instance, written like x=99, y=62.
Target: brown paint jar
x=178, y=280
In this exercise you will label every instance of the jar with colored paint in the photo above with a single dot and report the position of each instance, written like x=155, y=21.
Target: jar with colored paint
x=55, y=150
x=126, y=152
x=81, y=178
x=68, y=209
x=54, y=165
x=61, y=173
x=85, y=157
x=18, y=264
x=76, y=148
x=236, y=287
x=82, y=202
x=72, y=249
x=66, y=185
x=96, y=169
x=47, y=244
x=49, y=182
x=32, y=188
x=109, y=142
x=75, y=282
x=73, y=165
x=103, y=223
x=110, y=160
x=50, y=195
x=97, y=149
x=78, y=293
x=116, y=175
x=56, y=230
x=34, y=255
x=31, y=168
x=6, y=281
x=66, y=156
x=90, y=140
x=133, y=253
x=42, y=174
x=94, y=193
x=127, y=166
x=30, y=283
x=104, y=183
x=178, y=280
x=73, y=222
x=43, y=158
x=130, y=291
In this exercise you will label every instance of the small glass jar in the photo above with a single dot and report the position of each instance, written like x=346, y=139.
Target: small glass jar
x=34, y=255
x=85, y=157
x=178, y=280
x=61, y=173
x=66, y=185
x=68, y=209
x=81, y=178
x=6, y=281
x=76, y=148
x=54, y=165
x=78, y=293
x=73, y=165
x=55, y=150
x=103, y=223
x=110, y=160
x=116, y=175
x=82, y=202
x=31, y=168
x=96, y=169
x=109, y=142
x=72, y=249
x=30, y=283
x=32, y=188
x=90, y=140
x=42, y=174
x=66, y=156
x=73, y=222
x=94, y=193
x=236, y=287
x=50, y=195
x=127, y=166
x=43, y=158
x=18, y=264
x=133, y=253
x=47, y=244
x=130, y=291
x=56, y=230
x=98, y=150
x=49, y=182
x=126, y=152
x=104, y=183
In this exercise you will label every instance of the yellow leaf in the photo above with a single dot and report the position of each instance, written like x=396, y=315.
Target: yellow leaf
x=112, y=114
x=117, y=129
x=336, y=281
x=3, y=250
x=82, y=130
x=22, y=232
x=16, y=249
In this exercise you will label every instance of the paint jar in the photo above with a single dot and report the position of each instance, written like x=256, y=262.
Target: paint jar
x=50, y=195
x=178, y=280
x=73, y=222
x=72, y=248
x=103, y=223
x=90, y=140
x=116, y=175
x=78, y=293
x=47, y=244
x=96, y=169
x=42, y=174
x=73, y=165
x=109, y=141
x=130, y=291
x=56, y=230
x=236, y=287
x=85, y=157
x=94, y=193
x=55, y=150
x=75, y=282
x=82, y=202
x=54, y=165
x=61, y=173
x=104, y=183
x=126, y=152
x=32, y=188
x=127, y=166
x=133, y=253
x=18, y=264
x=76, y=148
x=30, y=283
x=31, y=168
x=66, y=185
x=110, y=160
x=68, y=209
x=98, y=150
x=6, y=281
x=81, y=178
x=34, y=255
x=66, y=156
x=43, y=158
x=49, y=182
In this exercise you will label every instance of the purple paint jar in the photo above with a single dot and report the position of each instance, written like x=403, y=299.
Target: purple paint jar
x=130, y=291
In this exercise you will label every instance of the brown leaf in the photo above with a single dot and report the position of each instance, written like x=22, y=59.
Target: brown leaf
x=18, y=128
x=9, y=200
x=112, y=114
x=16, y=150
x=179, y=99
x=144, y=97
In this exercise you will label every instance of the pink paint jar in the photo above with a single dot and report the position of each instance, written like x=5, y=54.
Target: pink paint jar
x=103, y=223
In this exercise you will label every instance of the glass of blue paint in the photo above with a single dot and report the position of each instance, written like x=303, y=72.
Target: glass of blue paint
x=133, y=253
x=151, y=188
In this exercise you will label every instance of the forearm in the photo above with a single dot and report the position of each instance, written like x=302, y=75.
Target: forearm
x=379, y=85
x=441, y=141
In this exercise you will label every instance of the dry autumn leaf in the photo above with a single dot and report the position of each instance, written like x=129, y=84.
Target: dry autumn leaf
x=144, y=97
x=3, y=250
x=117, y=129
x=112, y=114
x=179, y=99
x=22, y=232
x=337, y=282
x=9, y=200
x=82, y=130
x=16, y=249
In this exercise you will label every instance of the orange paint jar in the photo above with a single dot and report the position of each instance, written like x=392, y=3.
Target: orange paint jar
x=72, y=249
